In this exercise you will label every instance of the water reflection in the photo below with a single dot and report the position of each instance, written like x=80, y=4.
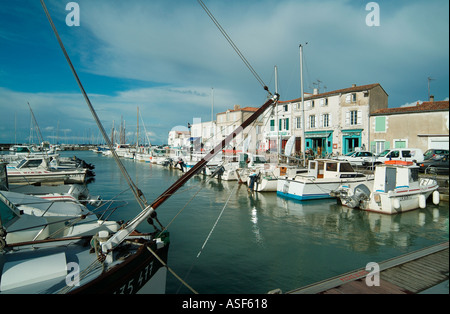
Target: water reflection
x=326, y=220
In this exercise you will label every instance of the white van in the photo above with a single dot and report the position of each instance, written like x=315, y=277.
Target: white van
x=406, y=154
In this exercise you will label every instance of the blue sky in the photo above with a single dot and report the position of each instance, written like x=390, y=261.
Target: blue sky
x=167, y=56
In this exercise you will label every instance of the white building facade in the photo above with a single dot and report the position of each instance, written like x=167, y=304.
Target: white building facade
x=335, y=122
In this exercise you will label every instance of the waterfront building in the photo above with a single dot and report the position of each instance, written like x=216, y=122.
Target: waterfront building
x=250, y=139
x=423, y=126
x=336, y=122
x=178, y=138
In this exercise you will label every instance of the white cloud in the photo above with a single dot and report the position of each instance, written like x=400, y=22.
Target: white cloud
x=177, y=55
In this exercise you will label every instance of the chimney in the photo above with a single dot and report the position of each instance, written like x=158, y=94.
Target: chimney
x=236, y=107
x=353, y=85
x=316, y=91
x=431, y=98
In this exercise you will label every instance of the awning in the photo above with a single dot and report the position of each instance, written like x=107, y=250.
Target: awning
x=318, y=134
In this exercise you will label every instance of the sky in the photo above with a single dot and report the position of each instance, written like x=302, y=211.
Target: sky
x=169, y=59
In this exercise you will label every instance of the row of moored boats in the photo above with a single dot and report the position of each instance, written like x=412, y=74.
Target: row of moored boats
x=394, y=187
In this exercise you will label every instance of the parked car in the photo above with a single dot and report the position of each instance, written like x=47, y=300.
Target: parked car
x=405, y=154
x=435, y=165
x=356, y=158
x=434, y=153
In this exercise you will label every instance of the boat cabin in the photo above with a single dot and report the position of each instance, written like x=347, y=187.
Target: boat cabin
x=327, y=168
x=389, y=176
x=32, y=162
x=247, y=159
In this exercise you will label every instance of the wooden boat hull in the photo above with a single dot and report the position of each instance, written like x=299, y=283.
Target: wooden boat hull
x=140, y=272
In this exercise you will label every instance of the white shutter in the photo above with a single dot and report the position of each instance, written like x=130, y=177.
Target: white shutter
x=359, y=122
x=348, y=98
x=330, y=124
x=316, y=125
x=347, y=118
x=321, y=121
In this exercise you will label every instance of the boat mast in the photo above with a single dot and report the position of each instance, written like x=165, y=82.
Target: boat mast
x=276, y=117
x=303, y=105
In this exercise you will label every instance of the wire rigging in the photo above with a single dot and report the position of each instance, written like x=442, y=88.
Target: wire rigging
x=233, y=45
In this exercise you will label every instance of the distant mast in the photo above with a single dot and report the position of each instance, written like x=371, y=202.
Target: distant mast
x=303, y=105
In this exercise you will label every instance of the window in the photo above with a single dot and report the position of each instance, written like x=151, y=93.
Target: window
x=349, y=98
x=380, y=124
x=298, y=123
x=332, y=166
x=286, y=107
x=272, y=125
x=326, y=120
x=353, y=117
x=312, y=103
x=312, y=121
x=286, y=124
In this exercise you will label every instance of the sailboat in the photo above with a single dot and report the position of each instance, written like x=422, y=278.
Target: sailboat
x=123, y=261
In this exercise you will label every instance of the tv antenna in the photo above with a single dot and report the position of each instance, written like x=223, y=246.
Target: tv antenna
x=429, y=79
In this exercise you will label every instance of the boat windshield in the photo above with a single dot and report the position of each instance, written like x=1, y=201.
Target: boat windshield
x=346, y=167
x=3, y=178
x=7, y=213
x=30, y=163
x=260, y=160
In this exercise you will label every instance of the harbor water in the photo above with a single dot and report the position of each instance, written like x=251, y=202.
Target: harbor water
x=225, y=240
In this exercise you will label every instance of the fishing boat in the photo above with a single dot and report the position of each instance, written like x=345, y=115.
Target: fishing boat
x=322, y=177
x=396, y=188
x=36, y=170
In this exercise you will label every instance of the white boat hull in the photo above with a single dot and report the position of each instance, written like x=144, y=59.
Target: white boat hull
x=395, y=201
x=310, y=189
x=46, y=176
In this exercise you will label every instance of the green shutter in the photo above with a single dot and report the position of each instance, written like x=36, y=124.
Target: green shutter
x=380, y=124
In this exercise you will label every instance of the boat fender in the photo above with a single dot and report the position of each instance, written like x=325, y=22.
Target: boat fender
x=422, y=201
x=436, y=197
x=396, y=203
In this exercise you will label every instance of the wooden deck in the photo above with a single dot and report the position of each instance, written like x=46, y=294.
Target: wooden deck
x=411, y=273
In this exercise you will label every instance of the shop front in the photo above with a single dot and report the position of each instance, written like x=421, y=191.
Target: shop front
x=320, y=143
x=351, y=139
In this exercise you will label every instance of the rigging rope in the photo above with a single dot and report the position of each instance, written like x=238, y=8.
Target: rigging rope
x=136, y=191
x=217, y=220
x=233, y=45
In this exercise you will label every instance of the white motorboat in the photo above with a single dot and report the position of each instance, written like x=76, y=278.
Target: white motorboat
x=266, y=180
x=322, y=177
x=240, y=170
x=32, y=170
x=396, y=188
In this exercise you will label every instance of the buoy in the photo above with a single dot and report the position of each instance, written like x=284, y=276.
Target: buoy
x=436, y=197
x=396, y=203
x=422, y=201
